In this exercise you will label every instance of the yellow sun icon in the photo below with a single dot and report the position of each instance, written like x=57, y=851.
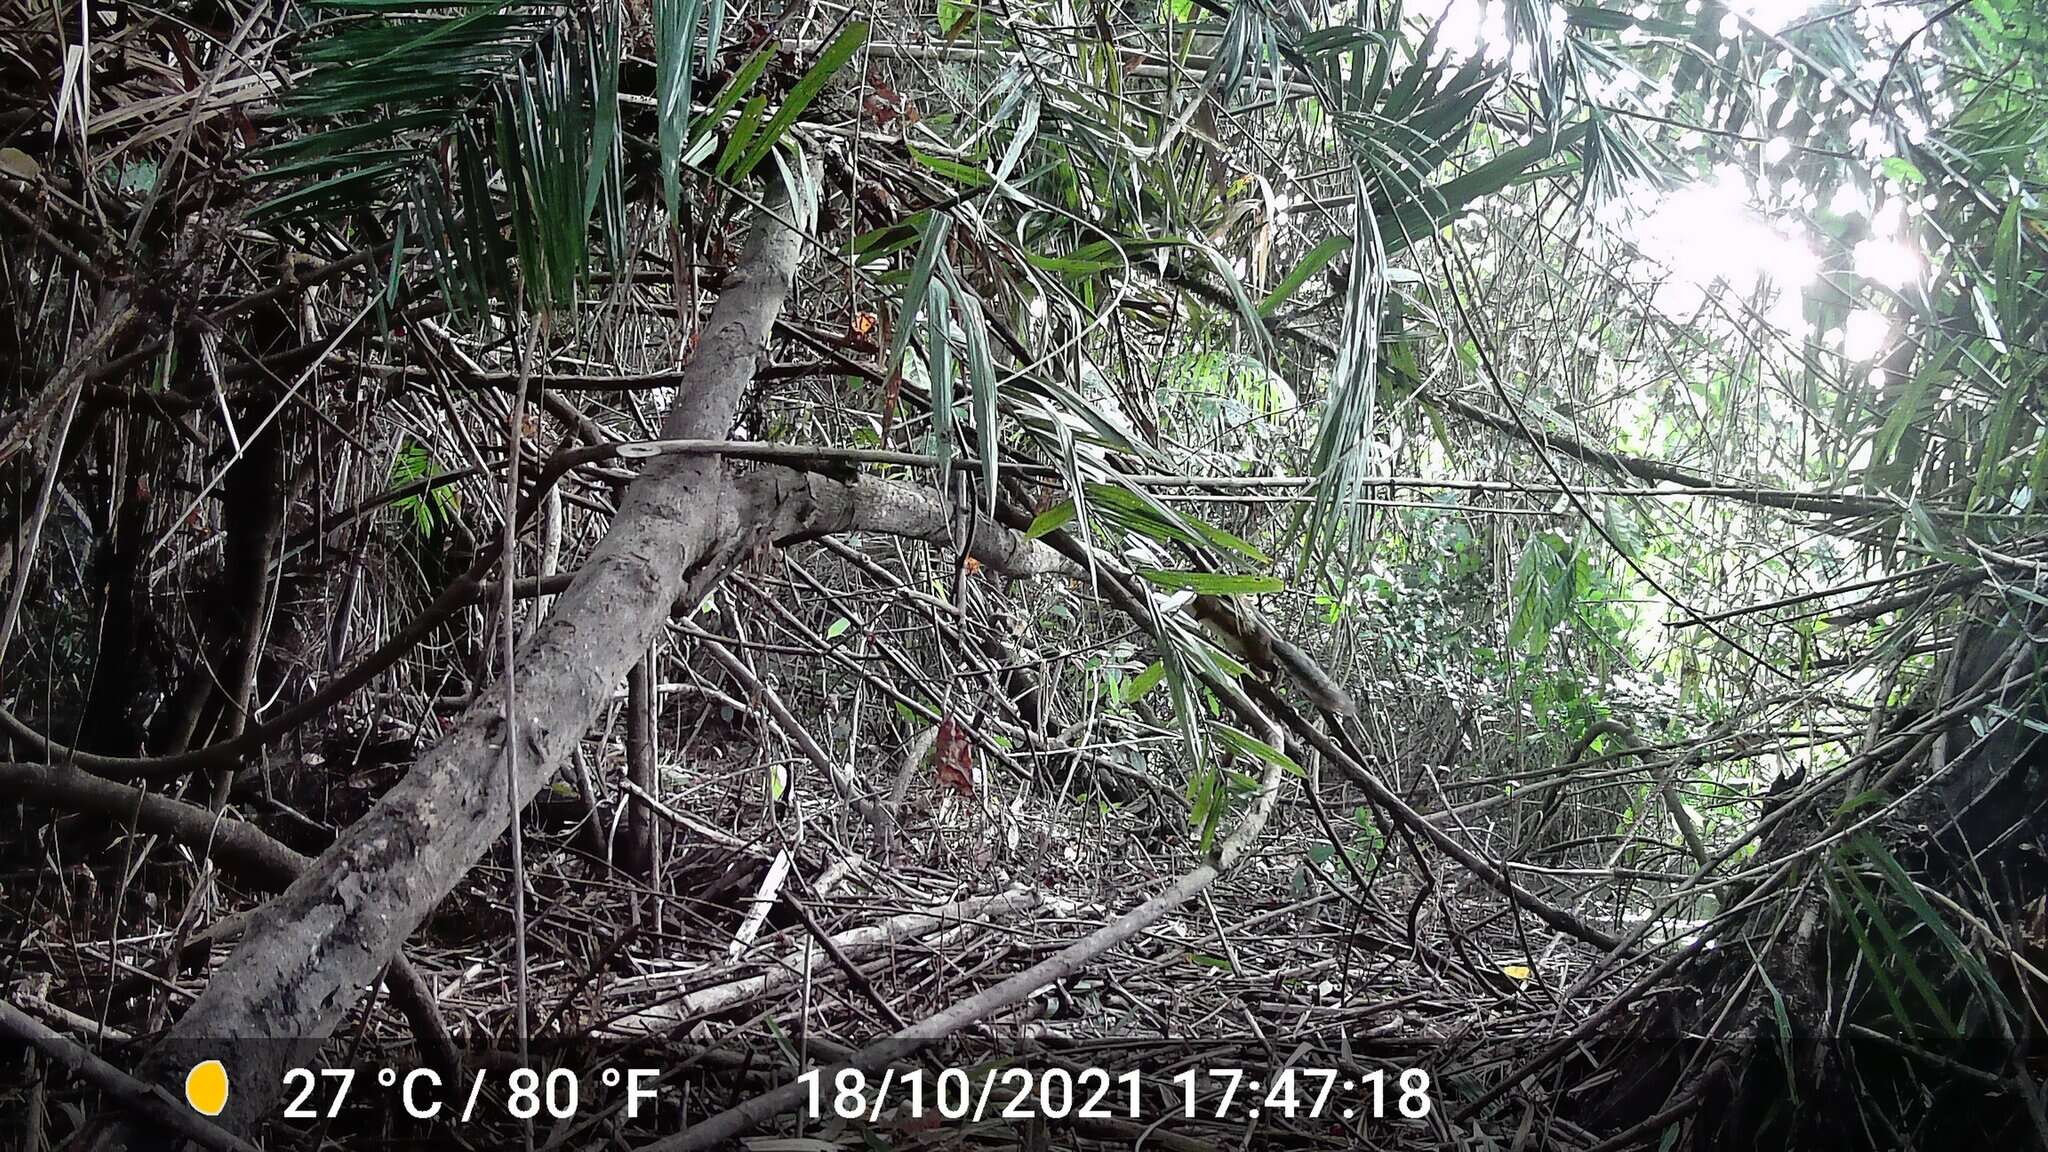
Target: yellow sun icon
x=206, y=1087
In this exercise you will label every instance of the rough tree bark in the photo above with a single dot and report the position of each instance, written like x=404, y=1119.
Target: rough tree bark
x=242, y=849
x=309, y=955
x=312, y=952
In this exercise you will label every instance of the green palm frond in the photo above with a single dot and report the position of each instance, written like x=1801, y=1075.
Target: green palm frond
x=473, y=122
x=1402, y=125
x=1339, y=459
x=807, y=89
x=676, y=46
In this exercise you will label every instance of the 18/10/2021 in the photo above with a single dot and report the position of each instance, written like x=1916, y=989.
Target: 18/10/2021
x=1021, y=1093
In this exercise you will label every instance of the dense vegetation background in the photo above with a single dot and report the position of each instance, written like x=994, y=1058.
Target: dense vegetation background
x=1489, y=536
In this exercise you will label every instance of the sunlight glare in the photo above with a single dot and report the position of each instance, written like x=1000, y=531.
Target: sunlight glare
x=1892, y=263
x=1707, y=236
x=1769, y=15
x=1863, y=336
x=1480, y=28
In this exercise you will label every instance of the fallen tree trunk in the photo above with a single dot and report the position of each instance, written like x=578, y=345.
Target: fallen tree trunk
x=237, y=847
x=309, y=955
x=312, y=952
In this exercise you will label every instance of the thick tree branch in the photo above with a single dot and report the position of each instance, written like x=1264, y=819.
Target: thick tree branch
x=238, y=847
x=793, y=507
x=306, y=960
x=808, y=506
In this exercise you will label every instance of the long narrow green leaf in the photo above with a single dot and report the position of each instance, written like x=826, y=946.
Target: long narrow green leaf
x=1338, y=460
x=914, y=291
x=729, y=96
x=1318, y=257
x=1258, y=749
x=2006, y=270
x=938, y=321
x=1248, y=313
x=1213, y=583
x=603, y=174
x=675, y=50
x=981, y=388
x=835, y=55
x=1873, y=959
x=1963, y=956
x=1141, y=512
x=743, y=131
x=1421, y=213
x=966, y=175
x=1897, y=950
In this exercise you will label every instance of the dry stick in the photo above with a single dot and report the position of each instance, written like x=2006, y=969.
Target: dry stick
x=1794, y=601
x=35, y=530
x=1660, y=777
x=239, y=846
x=598, y=965
x=811, y=506
x=147, y=1099
x=16, y=430
x=730, y=1123
x=639, y=851
x=1350, y=760
x=72, y=258
x=1039, y=744
x=888, y=932
x=717, y=836
x=1659, y=472
x=26, y=997
x=914, y=754
x=855, y=978
x=667, y=1015
x=1638, y=1132
x=763, y=902
x=508, y=575
x=868, y=677
x=842, y=779
x=1681, y=483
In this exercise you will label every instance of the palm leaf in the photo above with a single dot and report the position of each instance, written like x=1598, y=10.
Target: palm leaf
x=834, y=57
x=1338, y=458
x=675, y=53
x=398, y=109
